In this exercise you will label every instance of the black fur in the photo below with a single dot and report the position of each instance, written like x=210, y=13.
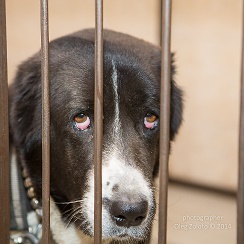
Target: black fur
x=72, y=84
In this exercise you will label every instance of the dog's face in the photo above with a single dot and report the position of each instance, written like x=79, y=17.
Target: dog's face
x=131, y=130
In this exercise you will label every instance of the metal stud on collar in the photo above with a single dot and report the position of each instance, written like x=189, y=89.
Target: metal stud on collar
x=35, y=204
x=33, y=235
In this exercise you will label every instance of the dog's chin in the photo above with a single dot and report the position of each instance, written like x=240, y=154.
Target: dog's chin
x=122, y=239
x=125, y=239
x=114, y=234
x=134, y=235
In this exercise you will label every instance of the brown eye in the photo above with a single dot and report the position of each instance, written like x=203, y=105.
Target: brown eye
x=82, y=121
x=150, y=121
x=150, y=118
x=80, y=118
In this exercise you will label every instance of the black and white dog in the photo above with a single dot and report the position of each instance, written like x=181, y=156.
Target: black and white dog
x=131, y=134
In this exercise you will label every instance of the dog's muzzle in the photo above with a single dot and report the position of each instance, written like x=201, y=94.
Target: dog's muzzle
x=128, y=204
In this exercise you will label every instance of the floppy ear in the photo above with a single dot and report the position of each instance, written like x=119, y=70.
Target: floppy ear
x=176, y=104
x=25, y=96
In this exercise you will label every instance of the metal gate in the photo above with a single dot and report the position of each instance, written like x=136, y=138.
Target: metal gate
x=98, y=99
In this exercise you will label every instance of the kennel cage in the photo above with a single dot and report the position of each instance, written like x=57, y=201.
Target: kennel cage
x=164, y=125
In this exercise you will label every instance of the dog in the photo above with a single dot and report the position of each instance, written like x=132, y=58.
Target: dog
x=132, y=69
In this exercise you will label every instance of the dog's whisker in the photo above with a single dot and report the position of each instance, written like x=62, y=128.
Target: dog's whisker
x=76, y=218
x=76, y=201
x=74, y=211
x=72, y=215
x=66, y=211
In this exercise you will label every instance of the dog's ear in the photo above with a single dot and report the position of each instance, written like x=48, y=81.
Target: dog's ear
x=25, y=95
x=176, y=104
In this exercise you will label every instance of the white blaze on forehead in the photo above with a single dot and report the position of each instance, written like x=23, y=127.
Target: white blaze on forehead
x=116, y=100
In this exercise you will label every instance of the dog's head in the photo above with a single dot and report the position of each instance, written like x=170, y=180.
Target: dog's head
x=131, y=130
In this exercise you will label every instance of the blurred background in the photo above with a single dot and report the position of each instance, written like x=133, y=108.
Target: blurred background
x=206, y=37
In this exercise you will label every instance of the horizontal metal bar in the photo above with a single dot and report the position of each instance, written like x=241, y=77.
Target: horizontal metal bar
x=45, y=123
x=164, y=121
x=4, y=133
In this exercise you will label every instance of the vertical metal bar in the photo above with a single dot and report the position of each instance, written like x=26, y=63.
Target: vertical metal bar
x=45, y=123
x=98, y=114
x=240, y=196
x=164, y=121
x=160, y=21
x=4, y=133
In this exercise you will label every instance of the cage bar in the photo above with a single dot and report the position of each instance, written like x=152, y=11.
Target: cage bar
x=4, y=133
x=240, y=195
x=45, y=123
x=98, y=122
x=164, y=121
x=160, y=22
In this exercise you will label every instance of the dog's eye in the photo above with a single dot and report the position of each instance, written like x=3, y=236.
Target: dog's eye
x=82, y=121
x=150, y=121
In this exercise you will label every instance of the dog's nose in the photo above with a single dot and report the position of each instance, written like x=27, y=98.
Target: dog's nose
x=129, y=213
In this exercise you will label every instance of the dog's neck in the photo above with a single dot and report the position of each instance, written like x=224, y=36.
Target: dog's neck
x=61, y=232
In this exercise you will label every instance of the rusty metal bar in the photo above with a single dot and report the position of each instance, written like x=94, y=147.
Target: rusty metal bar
x=45, y=123
x=98, y=117
x=164, y=121
x=4, y=133
x=240, y=195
